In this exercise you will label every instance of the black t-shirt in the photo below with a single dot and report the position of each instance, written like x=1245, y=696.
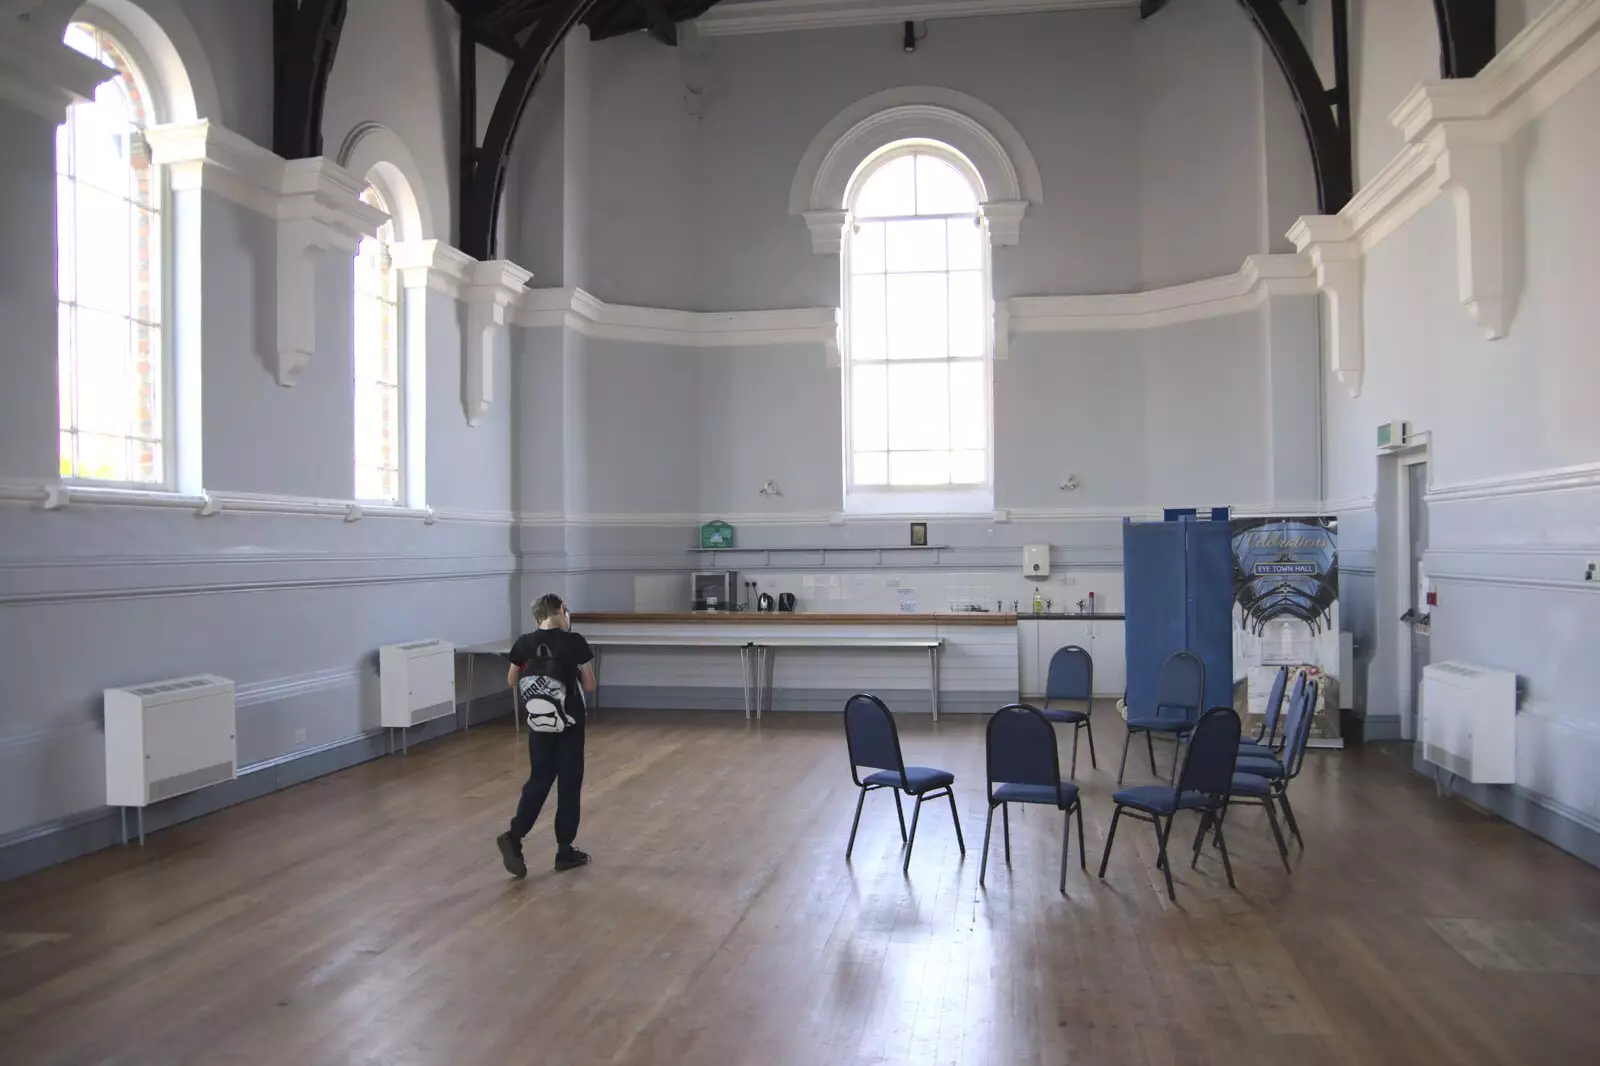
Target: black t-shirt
x=570, y=651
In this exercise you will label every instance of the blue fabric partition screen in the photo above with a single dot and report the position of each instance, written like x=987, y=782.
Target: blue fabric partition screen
x=1178, y=596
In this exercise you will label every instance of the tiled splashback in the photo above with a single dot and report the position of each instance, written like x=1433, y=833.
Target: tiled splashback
x=922, y=591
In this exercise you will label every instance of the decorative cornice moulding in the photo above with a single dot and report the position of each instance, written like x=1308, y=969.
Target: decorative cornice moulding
x=578, y=310
x=770, y=16
x=1455, y=136
x=1260, y=277
x=42, y=75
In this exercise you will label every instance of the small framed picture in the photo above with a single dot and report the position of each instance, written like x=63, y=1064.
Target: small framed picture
x=919, y=534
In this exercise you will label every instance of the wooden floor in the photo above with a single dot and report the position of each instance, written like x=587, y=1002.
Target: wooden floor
x=365, y=918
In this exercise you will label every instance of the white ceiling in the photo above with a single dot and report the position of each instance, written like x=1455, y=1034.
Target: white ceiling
x=768, y=16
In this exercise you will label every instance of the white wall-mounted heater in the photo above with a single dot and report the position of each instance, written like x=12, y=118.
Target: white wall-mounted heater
x=166, y=738
x=1469, y=721
x=416, y=683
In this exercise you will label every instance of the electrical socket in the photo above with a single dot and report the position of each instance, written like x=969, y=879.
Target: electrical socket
x=1591, y=572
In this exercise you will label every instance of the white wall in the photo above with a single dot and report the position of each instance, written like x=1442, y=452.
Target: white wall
x=1507, y=543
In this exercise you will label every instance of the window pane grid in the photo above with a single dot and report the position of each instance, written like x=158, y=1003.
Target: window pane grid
x=108, y=224
x=917, y=388
x=379, y=395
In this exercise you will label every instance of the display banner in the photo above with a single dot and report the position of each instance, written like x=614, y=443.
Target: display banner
x=1286, y=613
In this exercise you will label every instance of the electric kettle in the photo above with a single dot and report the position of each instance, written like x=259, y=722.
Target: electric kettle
x=764, y=602
x=786, y=601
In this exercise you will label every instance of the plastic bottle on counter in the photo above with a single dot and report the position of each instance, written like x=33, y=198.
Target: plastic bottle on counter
x=1038, y=602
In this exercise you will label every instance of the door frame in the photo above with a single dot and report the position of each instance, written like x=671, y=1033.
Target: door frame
x=1402, y=579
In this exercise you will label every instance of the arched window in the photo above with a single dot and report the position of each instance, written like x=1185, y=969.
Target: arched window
x=113, y=365
x=917, y=294
x=379, y=396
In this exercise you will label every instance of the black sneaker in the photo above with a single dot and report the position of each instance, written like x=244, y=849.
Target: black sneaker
x=570, y=858
x=511, y=855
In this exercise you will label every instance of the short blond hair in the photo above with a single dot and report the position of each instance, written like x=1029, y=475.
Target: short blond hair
x=547, y=607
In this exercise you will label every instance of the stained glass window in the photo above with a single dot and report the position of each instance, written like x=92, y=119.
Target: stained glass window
x=378, y=386
x=917, y=304
x=108, y=284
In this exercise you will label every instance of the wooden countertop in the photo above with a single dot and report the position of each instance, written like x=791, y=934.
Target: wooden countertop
x=801, y=618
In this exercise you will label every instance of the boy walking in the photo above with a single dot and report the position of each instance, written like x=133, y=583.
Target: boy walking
x=553, y=758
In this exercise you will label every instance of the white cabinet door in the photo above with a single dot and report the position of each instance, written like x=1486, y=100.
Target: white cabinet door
x=1027, y=657
x=1110, y=658
x=1055, y=635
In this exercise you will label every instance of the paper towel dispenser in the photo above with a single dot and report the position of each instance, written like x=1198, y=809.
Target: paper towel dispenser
x=1036, y=560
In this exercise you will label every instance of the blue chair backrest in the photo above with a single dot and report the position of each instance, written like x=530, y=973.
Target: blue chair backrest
x=1298, y=718
x=1269, y=719
x=1181, y=686
x=1213, y=752
x=1295, y=753
x=1071, y=675
x=870, y=735
x=1021, y=748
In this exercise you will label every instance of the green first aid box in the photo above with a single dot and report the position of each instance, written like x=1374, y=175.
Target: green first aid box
x=716, y=535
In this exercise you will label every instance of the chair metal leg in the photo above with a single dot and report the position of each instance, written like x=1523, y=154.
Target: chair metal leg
x=1005, y=821
x=1073, y=773
x=1161, y=860
x=1066, y=846
x=1288, y=814
x=911, y=842
x=1222, y=842
x=1083, y=855
x=1093, y=762
x=848, y=848
x=1200, y=837
x=988, y=824
x=1277, y=835
x=1126, y=740
x=900, y=812
x=955, y=819
x=1150, y=746
x=1177, y=748
x=1111, y=834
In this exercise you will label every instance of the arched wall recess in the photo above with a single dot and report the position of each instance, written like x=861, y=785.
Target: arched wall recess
x=1009, y=174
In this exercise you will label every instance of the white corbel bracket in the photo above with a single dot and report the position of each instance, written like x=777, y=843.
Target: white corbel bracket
x=827, y=230
x=1005, y=221
x=491, y=288
x=1329, y=244
x=1453, y=122
x=319, y=208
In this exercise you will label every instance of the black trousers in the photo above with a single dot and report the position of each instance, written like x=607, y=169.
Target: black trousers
x=553, y=758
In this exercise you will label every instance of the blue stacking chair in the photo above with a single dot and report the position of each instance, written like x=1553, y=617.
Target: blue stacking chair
x=1024, y=767
x=1255, y=789
x=1279, y=772
x=1072, y=678
x=1203, y=786
x=1265, y=740
x=874, y=742
x=1179, y=690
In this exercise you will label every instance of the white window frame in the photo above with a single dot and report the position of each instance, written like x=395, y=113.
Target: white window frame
x=914, y=499
x=402, y=382
x=145, y=70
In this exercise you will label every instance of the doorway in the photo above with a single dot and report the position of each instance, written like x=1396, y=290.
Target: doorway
x=1416, y=629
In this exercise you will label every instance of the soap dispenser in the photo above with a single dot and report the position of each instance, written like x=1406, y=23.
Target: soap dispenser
x=1038, y=602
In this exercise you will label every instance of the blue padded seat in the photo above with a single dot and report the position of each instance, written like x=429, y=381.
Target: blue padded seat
x=918, y=779
x=1065, y=717
x=1259, y=766
x=1160, y=725
x=1159, y=799
x=1252, y=785
x=1036, y=794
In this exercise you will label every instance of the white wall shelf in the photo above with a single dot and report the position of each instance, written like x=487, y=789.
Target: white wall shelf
x=767, y=553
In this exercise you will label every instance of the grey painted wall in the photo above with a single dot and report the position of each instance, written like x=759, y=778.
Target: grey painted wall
x=27, y=297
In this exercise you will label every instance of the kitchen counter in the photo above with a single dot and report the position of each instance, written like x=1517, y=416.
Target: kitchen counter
x=797, y=618
x=1098, y=616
